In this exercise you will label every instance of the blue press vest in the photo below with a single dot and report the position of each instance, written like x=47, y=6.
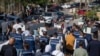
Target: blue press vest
x=30, y=41
x=27, y=53
x=18, y=41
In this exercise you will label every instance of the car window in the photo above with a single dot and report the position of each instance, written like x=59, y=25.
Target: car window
x=60, y=13
x=47, y=14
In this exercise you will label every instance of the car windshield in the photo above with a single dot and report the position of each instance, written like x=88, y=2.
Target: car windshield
x=47, y=14
x=60, y=13
x=68, y=16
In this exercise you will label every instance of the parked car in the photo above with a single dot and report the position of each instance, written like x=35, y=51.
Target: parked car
x=76, y=5
x=66, y=6
x=60, y=14
x=32, y=17
x=81, y=12
x=48, y=16
x=68, y=17
x=54, y=8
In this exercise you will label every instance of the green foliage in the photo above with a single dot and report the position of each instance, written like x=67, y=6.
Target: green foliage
x=98, y=8
x=68, y=0
x=40, y=1
x=64, y=1
x=25, y=2
x=17, y=1
x=91, y=13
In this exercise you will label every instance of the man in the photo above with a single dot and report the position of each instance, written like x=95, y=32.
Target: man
x=19, y=41
x=81, y=37
x=9, y=50
x=26, y=51
x=19, y=31
x=26, y=32
x=44, y=38
x=18, y=25
x=94, y=47
x=80, y=51
x=30, y=40
x=4, y=26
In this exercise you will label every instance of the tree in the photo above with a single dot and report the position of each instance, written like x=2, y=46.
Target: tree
x=63, y=1
x=40, y=1
x=92, y=15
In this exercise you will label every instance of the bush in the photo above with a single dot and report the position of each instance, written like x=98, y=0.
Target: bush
x=92, y=15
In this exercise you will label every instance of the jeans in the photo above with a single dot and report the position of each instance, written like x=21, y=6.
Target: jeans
x=19, y=51
x=4, y=37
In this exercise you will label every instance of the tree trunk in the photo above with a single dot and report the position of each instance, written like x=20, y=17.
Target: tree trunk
x=5, y=5
x=80, y=4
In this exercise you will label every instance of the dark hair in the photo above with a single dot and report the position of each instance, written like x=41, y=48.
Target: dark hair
x=10, y=28
x=76, y=26
x=26, y=45
x=95, y=36
x=81, y=43
x=51, y=35
x=71, y=31
x=55, y=34
x=44, y=33
x=42, y=46
x=19, y=29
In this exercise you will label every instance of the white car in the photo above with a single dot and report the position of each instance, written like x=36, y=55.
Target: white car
x=48, y=16
x=68, y=18
x=66, y=6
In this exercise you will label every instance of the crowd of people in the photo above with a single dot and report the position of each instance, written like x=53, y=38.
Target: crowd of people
x=56, y=38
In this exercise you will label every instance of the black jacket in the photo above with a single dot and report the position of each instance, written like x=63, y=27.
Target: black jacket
x=94, y=48
x=8, y=50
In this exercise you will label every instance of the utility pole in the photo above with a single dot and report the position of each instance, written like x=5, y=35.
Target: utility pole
x=5, y=6
x=86, y=6
x=80, y=4
x=46, y=8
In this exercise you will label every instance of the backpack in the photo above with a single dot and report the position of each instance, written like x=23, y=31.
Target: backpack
x=53, y=43
x=45, y=39
x=78, y=40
